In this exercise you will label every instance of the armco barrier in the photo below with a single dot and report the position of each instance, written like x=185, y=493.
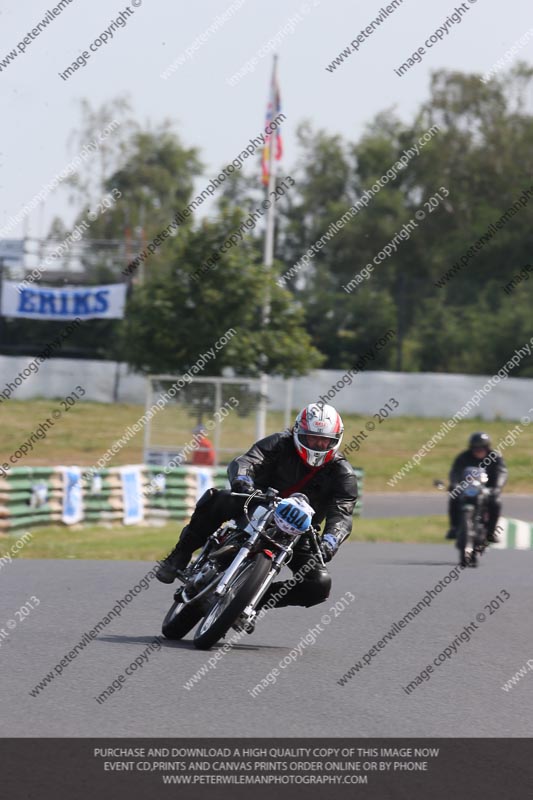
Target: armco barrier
x=32, y=496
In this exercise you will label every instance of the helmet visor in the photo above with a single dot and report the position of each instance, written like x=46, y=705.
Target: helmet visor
x=319, y=442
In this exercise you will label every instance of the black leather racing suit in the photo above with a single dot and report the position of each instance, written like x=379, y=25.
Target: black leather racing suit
x=274, y=461
x=497, y=474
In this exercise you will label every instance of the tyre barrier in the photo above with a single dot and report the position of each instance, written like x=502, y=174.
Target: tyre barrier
x=33, y=496
x=514, y=534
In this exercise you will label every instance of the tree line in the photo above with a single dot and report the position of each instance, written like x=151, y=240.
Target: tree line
x=441, y=253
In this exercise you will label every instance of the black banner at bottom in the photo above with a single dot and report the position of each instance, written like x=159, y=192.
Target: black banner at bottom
x=84, y=769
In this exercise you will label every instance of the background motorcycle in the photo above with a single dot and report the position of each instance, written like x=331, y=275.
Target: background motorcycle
x=472, y=494
x=237, y=565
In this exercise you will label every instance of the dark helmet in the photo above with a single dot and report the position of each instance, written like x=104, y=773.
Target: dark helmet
x=479, y=439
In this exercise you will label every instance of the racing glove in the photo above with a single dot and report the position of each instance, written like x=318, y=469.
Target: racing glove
x=243, y=484
x=329, y=546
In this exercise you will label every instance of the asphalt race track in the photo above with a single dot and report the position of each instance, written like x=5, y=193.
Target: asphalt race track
x=463, y=696
x=417, y=504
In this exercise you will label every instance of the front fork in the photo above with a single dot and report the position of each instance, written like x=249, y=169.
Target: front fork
x=232, y=570
x=314, y=540
x=277, y=563
x=250, y=612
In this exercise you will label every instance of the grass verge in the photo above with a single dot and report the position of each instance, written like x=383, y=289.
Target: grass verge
x=150, y=544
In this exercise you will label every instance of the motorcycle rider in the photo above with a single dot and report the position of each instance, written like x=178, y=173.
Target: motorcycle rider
x=304, y=459
x=479, y=454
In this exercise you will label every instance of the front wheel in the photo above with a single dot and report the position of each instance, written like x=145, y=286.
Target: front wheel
x=481, y=534
x=228, y=608
x=466, y=537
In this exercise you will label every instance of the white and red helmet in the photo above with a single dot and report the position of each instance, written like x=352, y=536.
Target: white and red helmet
x=317, y=434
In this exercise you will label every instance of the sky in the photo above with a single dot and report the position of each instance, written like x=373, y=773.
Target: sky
x=41, y=110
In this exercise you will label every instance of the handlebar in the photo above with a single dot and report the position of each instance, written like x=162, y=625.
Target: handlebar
x=270, y=494
x=489, y=490
x=257, y=494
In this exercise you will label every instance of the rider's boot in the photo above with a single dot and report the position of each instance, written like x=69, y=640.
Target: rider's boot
x=178, y=558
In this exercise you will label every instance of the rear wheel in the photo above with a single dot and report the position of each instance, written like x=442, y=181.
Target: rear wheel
x=181, y=618
x=241, y=590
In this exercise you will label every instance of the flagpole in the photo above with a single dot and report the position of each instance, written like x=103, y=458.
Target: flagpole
x=268, y=255
x=268, y=260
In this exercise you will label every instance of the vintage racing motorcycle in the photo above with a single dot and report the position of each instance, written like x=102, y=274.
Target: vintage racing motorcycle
x=223, y=587
x=472, y=493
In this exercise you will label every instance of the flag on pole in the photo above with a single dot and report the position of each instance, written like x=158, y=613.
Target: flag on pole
x=272, y=139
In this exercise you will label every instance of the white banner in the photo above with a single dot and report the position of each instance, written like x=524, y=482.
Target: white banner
x=132, y=495
x=72, y=496
x=65, y=303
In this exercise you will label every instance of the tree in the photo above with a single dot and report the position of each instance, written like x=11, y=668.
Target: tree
x=174, y=317
x=481, y=155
